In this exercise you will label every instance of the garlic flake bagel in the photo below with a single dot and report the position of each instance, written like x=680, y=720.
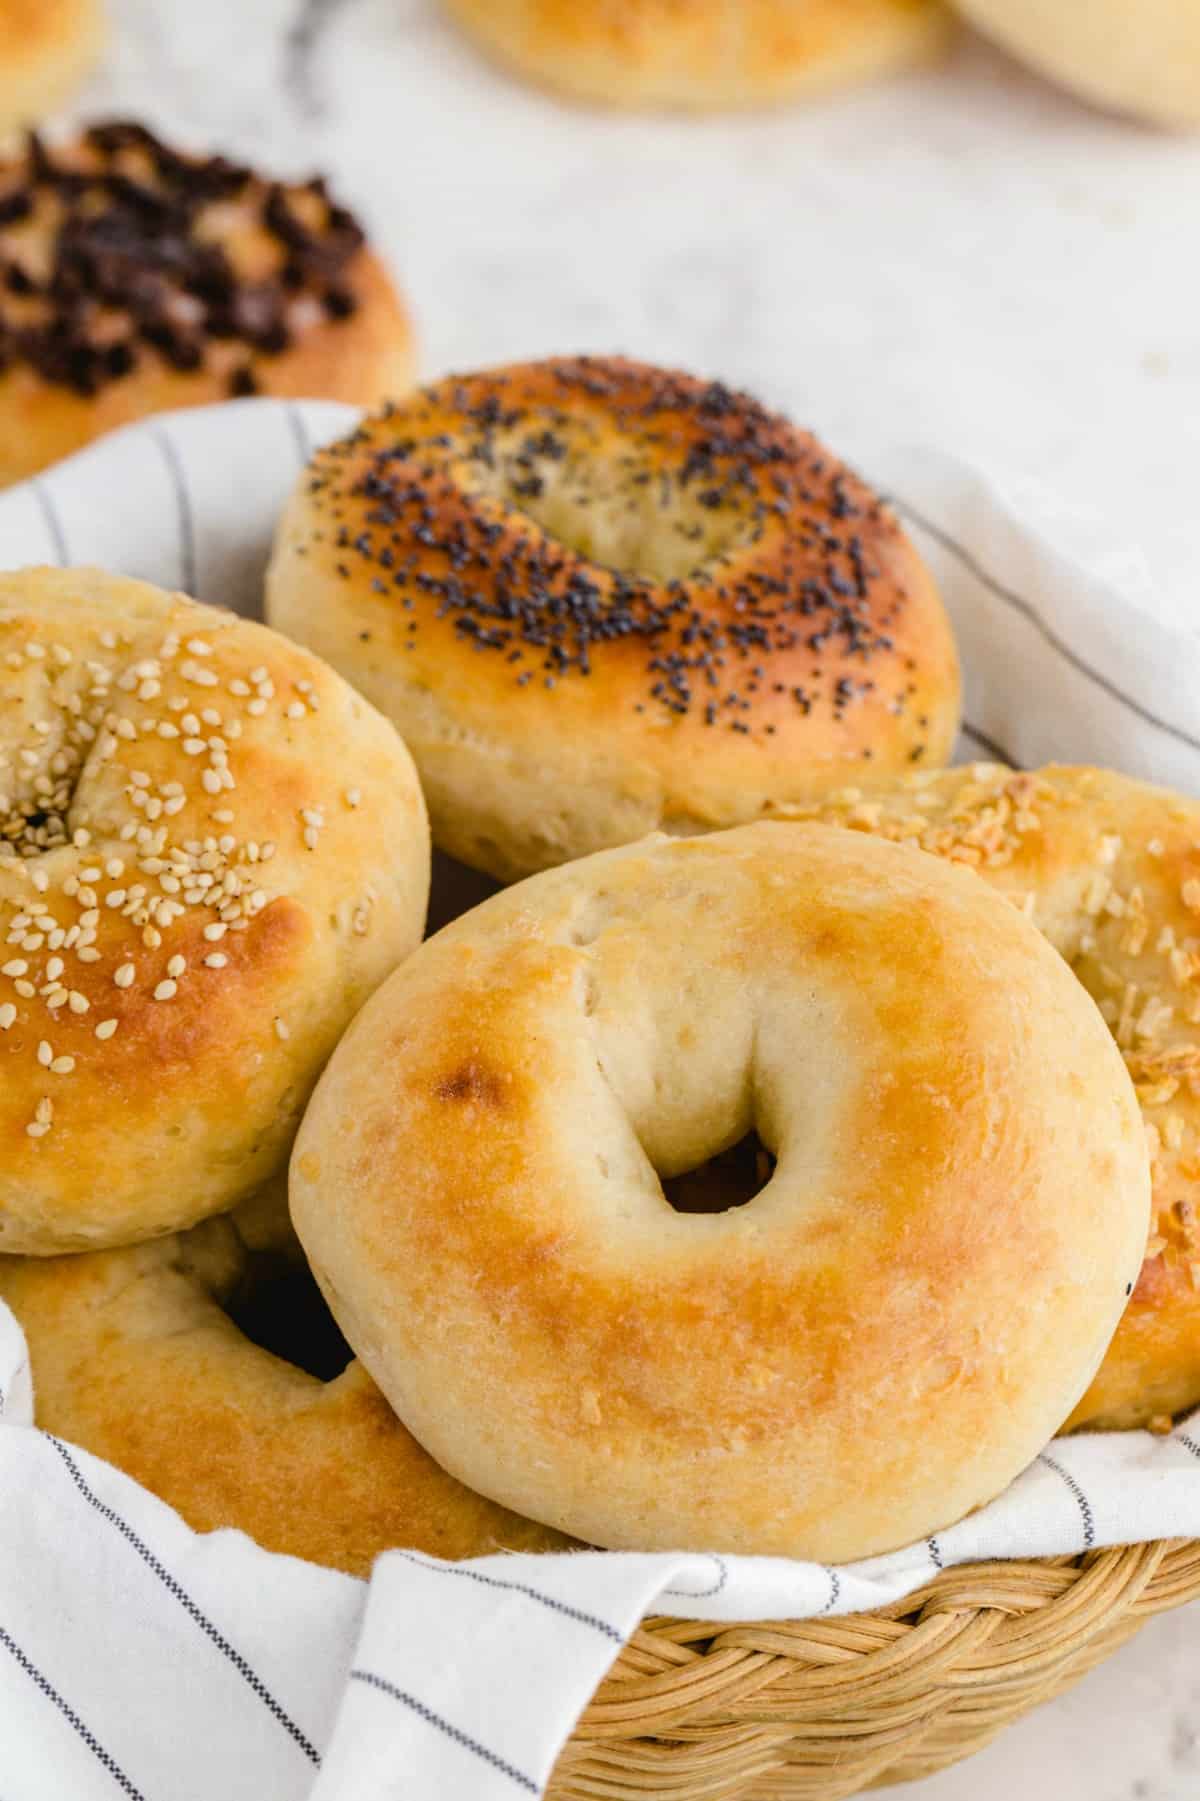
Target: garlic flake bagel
x=1143, y=59
x=46, y=48
x=1109, y=869
x=704, y=53
x=135, y=1358
x=597, y=598
x=878, y=1341
x=138, y=277
x=211, y=851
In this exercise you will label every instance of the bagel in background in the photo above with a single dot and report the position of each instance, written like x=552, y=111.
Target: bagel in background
x=1141, y=59
x=1109, y=869
x=47, y=47
x=704, y=54
x=211, y=851
x=135, y=1358
x=878, y=1342
x=138, y=278
x=597, y=598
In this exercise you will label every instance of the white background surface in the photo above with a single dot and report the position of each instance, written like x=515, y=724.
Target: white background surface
x=962, y=256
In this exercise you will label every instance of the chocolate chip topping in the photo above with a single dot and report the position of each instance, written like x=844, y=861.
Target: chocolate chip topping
x=112, y=249
x=774, y=625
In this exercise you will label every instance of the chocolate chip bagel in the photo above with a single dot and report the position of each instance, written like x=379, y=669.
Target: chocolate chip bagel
x=597, y=598
x=135, y=277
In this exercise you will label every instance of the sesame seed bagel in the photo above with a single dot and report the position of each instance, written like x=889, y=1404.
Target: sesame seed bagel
x=598, y=598
x=704, y=54
x=211, y=852
x=878, y=1341
x=46, y=48
x=1109, y=869
x=138, y=278
x=135, y=1358
x=1143, y=60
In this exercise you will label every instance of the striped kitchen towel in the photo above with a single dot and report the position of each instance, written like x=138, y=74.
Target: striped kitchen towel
x=139, y=1658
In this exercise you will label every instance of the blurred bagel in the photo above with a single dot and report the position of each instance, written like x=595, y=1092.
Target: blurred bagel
x=137, y=278
x=1142, y=59
x=703, y=54
x=596, y=598
x=46, y=49
x=135, y=1357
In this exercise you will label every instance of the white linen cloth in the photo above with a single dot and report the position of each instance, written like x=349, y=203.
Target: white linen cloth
x=138, y=1657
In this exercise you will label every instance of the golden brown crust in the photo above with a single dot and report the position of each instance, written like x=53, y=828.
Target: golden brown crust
x=134, y=1359
x=878, y=1342
x=335, y=328
x=214, y=851
x=1109, y=869
x=597, y=597
x=704, y=53
x=46, y=49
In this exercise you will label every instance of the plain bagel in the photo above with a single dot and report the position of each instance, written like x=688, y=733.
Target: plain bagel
x=211, y=852
x=1143, y=59
x=704, y=54
x=878, y=1342
x=598, y=598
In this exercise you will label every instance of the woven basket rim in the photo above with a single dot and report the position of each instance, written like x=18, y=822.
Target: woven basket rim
x=818, y=1709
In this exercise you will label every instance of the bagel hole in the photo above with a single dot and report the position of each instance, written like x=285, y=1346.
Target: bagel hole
x=729, y=1180
x=617, y=511
x=280, y=1308
x=453, y=890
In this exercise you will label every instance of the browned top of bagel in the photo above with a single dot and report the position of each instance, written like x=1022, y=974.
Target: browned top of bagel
x=134, y=1358
x=136, y=277
x=1109, y=869
x=46, y=47
x=211, y=851
x=659, y=592
x=704, y=53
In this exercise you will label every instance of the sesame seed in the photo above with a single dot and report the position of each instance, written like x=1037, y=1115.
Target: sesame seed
x=106, y=1028
x=281, y=1029
x=353, y=797
x=62, y=1066
x=176, y=966
x=8, y=1014
x=123, y=977
x=216, y=960
x=166, y=991
x=45, y=1055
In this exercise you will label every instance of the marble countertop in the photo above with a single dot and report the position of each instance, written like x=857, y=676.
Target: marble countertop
x=963, y=256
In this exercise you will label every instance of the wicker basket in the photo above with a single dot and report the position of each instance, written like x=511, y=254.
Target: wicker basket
x=819, y=1709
